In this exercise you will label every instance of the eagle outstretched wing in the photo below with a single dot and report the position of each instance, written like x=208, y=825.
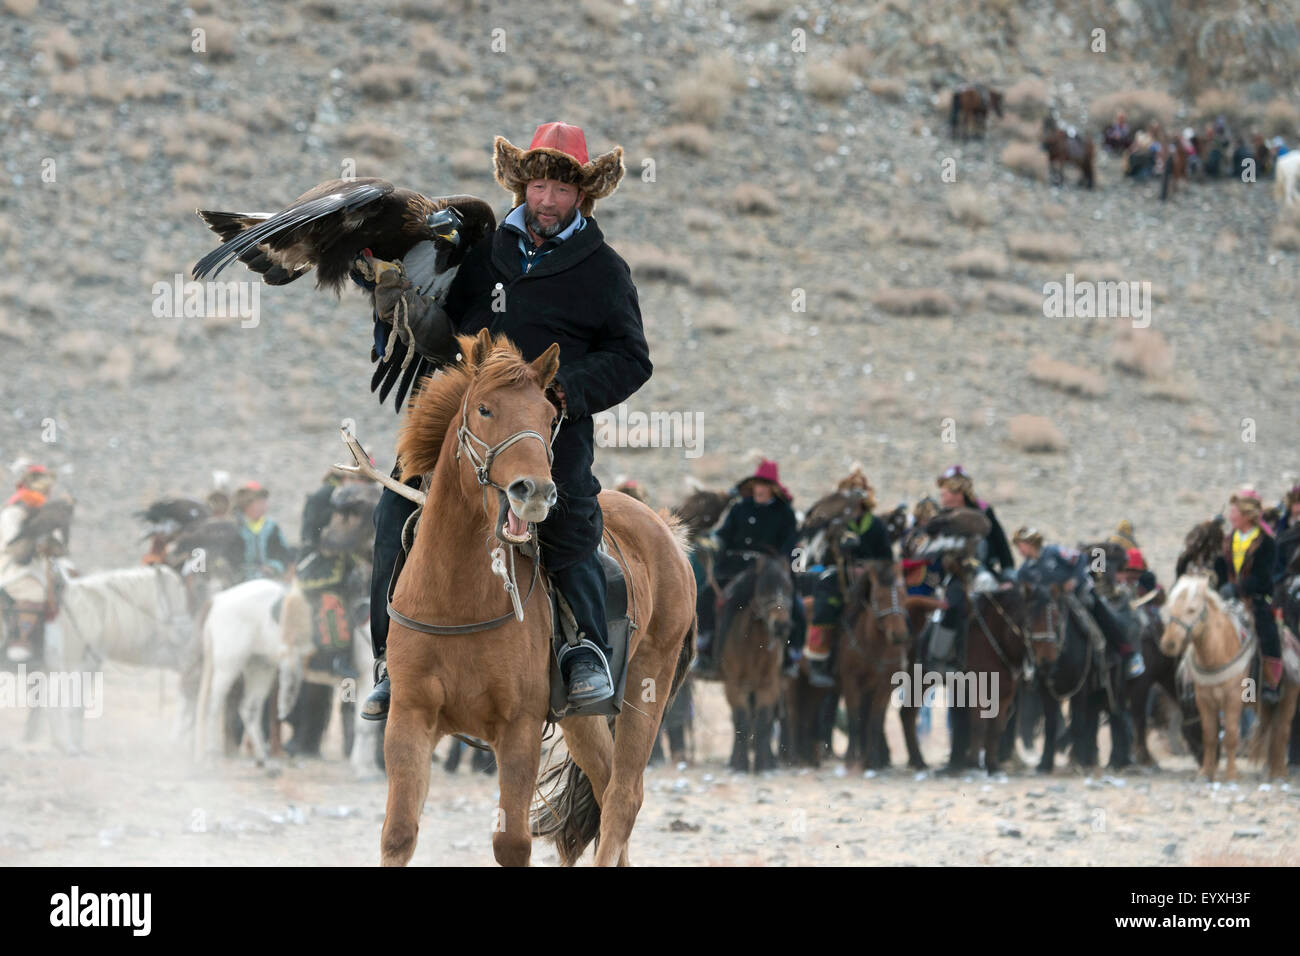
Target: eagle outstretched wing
x=328, y=226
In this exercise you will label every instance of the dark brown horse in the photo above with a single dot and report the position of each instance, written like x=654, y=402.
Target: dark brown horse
x=1063, y=149
x=997, y=646
x=759, y=602
x=970, y=109
x=875, y=650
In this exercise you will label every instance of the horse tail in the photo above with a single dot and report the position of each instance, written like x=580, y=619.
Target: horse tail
x=685, y=657
x=956, y=111
x=205, y=683
x=569, y=814
x=295, y=618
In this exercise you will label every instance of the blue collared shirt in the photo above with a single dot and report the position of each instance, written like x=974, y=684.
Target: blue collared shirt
x=530, y=253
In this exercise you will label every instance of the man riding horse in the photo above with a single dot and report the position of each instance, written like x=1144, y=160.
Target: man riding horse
x=24, y=590
x=1068, y=569
x=761, y=520
x=546, y=275
x=1245, y=573
x=865, y=539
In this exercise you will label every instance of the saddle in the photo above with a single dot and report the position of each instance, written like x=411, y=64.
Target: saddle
x=618, y=629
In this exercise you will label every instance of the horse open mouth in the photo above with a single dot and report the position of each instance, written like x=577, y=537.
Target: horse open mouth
x=511, y=528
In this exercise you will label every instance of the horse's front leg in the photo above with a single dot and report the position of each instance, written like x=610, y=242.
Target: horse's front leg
x=1232, y=731
x=1209, y=711
x=409, y=738
x=518, y=752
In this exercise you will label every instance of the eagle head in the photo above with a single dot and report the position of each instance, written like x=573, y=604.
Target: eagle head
x=445, y=224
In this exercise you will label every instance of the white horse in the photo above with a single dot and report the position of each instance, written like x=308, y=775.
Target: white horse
x=132, y=615
x=241, y=636
x=1287, y=180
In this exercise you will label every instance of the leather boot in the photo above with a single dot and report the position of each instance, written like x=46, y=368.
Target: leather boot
x=376, y=705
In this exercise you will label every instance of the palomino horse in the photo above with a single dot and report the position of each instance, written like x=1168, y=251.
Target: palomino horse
x=134, y=615
x=970, y=109
x=1217, y=655
x=760, y=602
x=1063, y=148
x=477, y=433
x=876, y=648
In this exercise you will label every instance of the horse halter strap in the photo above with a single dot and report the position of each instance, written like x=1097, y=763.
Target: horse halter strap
x=483, y=464
x=893, y=608
x=1189, y=628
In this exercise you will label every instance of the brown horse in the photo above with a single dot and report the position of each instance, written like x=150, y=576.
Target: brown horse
x=1217, y=656
x=1173, y=163
x=875, y=650
x=494, y=683
x=760, y=599
x=1062, y=149
x=997, y=646
x=970, y=109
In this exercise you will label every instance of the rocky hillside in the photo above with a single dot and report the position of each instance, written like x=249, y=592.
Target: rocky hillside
x=825, y=275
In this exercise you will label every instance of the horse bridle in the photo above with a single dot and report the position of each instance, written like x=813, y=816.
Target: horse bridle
x=894, y=606
x=482, y=465
x=1189, y=628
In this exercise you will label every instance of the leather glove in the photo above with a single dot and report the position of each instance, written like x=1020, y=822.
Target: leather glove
x=418, y=322
x=1228, y=591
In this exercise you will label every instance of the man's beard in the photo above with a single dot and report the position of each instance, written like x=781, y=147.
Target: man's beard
x=546, y=232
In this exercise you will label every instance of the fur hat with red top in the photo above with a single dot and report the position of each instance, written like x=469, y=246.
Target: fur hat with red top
x=558, y=151
x=768, y=472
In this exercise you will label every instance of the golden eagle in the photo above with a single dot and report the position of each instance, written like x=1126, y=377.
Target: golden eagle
x=333, y=224
x=955, y=530
x=48, y=530
x=169, y=515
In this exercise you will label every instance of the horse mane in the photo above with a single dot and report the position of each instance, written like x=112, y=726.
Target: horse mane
x=489, y=362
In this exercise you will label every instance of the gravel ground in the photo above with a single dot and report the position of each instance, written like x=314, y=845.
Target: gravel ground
x=133, y=800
